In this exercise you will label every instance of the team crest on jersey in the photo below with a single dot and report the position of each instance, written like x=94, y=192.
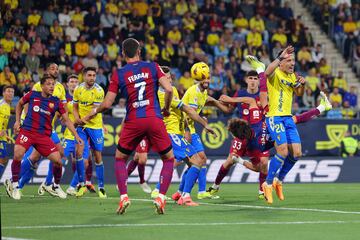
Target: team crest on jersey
x=51, y=105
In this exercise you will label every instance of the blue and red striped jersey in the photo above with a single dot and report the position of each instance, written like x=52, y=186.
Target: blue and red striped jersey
x=252, y=116
x=138, y=82
x=41, y=112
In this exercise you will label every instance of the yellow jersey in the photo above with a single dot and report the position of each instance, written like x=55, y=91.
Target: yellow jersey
x=4, y=117
x=196, y=99
x=86, y=99
x=67, y=133
x=280, y=89
x=175, y=122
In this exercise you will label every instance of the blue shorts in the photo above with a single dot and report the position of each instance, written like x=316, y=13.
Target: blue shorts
x=196, y=143
x=69, y=148
x=182, y=149
x=282, y=130
x=95, y=136
x=3, y=152
x=55, y=138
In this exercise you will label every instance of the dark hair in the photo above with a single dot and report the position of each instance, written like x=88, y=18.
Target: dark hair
x=130, y=47
x=165, y=69
x=86, y=69
x=46, y=77
x=8, y=87
x=239, y=128
x=71, y=76
x=49, y=64
x=251, y=73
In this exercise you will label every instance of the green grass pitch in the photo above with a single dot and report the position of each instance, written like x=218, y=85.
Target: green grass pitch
x=310, y=211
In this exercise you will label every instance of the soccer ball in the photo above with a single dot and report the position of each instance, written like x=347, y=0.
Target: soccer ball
x=200, y=71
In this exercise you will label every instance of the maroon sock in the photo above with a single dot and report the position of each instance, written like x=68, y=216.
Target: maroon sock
x=221, y=174
x=141, y=170
x=73, y=166
x=166, y=175
x=121, y=175
x=306, y=116
x=131, y=167
x=262, y=178
x=89, y=171
x=263, y=87
x=15, y=170
x=57, y=172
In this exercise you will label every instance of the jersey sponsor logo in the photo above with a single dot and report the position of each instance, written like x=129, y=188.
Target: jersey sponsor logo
x=141, y=103
x=39, y=109
x=281, y=101
x=135, y=77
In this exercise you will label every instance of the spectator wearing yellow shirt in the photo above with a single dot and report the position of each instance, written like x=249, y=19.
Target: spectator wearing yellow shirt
x=23, y=79
x=254, y=38
x=78, y=18
x=347, y=111
x=22, y=45
x=7, y=43
x=335, y=96
x=7, y=77
x=241, y=21
x=13, y=3
x=167, y=53
x=33, y=18
x=141, y=6
x=174, y=35
x=113, y=8
x=186, y=81
x=280, y=37
x=193, y=7
x=152, y=49
x=112, y=49
x=349, y=26
x=257, y=22
x=340, y=82
x=81, y=47
x=188, y=22
x=324, y=69
x=181, y=8
x=312, y=80
x=56, y=30
x=304, y=54
x=212, y=38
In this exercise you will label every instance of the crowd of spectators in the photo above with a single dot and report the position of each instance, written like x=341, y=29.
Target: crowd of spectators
x=176, y=33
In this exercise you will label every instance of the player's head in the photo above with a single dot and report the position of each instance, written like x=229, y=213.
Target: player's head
x=89, y=76
x=287, y=65
x=131, y=48
x=72, y=82
x=167, y=72
x=252, y=80
x=239, y=128
x=8, y=93
x=52, y=69
x=200, y=72
x=47, y=84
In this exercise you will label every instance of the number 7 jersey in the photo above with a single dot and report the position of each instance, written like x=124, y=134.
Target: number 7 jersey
x=138, y=82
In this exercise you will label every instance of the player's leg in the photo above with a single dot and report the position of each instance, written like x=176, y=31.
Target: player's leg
x=96, y=138
x=55, y=157
x=80, y=166
x=23, y=142
x=69, y=153
x=276, y=128
x=3, y=156
x=141, y=170
x=28, y=168
x=133, y=163
x=88, y=168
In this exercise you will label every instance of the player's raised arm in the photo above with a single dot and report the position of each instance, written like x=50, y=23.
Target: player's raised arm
x=286, y=53
x=248, y=100
x=210, y=101
x=196, y=117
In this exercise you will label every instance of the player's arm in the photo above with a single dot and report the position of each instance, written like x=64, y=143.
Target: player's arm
x=106, y=104
x=196, y=117
x=287, y=52
x=19, y=107
x=210, y=101
x=77, y=120
x=71, y=127
x=299, y=91
x=247, y=100
x=166, y=85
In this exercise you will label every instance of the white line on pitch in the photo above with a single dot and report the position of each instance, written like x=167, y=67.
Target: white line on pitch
x=227, y=205
x=178, y=224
